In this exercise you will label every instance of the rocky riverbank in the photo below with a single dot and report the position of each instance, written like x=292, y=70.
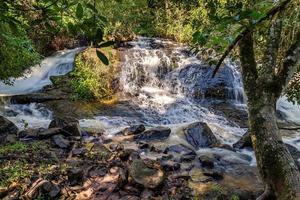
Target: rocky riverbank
x=65, y=162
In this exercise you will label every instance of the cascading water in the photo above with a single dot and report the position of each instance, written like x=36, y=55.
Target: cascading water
x=165, y=85
x=162, y=84
x=34, y=115
x=39, y=76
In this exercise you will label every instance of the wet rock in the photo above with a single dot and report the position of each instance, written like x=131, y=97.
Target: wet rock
x=61, y=142
x=157, y=133
x=169, y=165
x=48, y=133
x=180, y=150
x=187, y=158
x=207, y=160
x=75, y=176
x=133, y=130
x=199, y=135
x=245, y=141
x=143, y=145
x=144, y=175
x=69, y=125
x=8, y=130
x=33, y=98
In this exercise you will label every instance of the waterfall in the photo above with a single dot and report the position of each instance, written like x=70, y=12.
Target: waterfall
x=35, y=115
x=39, y=76
x=163, y=84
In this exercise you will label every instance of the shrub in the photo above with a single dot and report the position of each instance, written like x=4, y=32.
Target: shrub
x=91, y=79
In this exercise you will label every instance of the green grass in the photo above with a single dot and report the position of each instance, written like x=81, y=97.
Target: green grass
x=17, y=147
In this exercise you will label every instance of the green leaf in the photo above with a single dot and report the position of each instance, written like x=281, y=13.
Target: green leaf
x=102, y=18
x=79, y=11
x=90, y=6
x=255, y=15
x=107, y=44
x=199, y=38
x=102, y=57
x=72, y=28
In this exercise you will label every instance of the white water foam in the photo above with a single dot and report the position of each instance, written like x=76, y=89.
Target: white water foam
x=39, y=76
x=34, y=115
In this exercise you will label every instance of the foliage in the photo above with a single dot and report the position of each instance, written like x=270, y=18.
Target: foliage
x=28, y=28
x=16, y=53
x=91, y=79
x=227, y=19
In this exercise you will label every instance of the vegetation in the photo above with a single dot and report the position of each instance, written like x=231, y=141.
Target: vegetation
x=91, y=79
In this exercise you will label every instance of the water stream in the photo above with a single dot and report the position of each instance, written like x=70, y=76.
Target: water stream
x=162, y=84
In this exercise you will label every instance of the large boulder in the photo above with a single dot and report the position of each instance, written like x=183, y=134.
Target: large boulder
x=199, y=135
x=8, y=130
x=69, y=125
x=157, y=133
x=149, y=177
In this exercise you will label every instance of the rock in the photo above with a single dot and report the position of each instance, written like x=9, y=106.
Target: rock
x=169, y=165
x=199, y=135
x=147, y=194
x=75, y=176
x=197, y=175
x=144, y=175
x=61, y=142
x=79, y=151
x=33, y=98
x=187, y=158
x=8, y=130
x=69, y=125
x=180, y=150
x=207, y=160
x=157, y=133
x=245, y=141
x=48, y=133
x=30, y=133
x=133, y=130
x=143, y=145
x=51, y=189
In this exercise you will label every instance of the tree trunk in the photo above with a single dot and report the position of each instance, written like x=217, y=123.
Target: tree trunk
x=276, y=166
x=275, y=163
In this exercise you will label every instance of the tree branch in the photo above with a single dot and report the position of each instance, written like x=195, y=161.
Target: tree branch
x=270, y=55
x=290, y=64
x=271, y=13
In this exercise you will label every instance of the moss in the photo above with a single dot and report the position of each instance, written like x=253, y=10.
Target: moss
x=91, y=79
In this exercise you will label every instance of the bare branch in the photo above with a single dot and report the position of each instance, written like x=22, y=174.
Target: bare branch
x=270, y=14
